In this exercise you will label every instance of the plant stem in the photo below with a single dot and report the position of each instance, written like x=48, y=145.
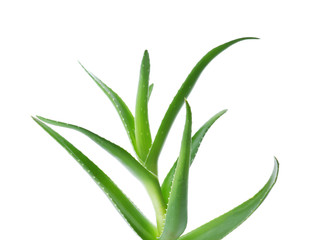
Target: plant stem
x=155, y=193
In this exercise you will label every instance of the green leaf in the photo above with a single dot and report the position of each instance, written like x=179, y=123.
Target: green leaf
x=150, y=90
x=178, y=101
x=122, y=109
x=142, y=129
x=196, y=141
x=176, y=215
x=119, y=153
x=141, y=225
x=223, y=225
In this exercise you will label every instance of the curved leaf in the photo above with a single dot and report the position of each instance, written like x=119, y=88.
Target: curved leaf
x=141, y=225
x=178, y=101
x=122, y=109
x=142, y=129
x=176, y=215
x=196, y=141
x=119, y=153
x=223, y=225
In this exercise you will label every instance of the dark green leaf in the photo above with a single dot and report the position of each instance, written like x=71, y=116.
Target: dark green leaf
x=122, y=109
x=178, y=101
x=223, y=225
x=126, y=208
x=176, y=215
x=196, y=141
x=119, y=153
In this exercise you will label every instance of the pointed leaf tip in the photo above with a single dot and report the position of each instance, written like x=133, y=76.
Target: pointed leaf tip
x=177, y=210
x=255, y=38
x=219, y=227
x=195, y=144
x=142, y=128
x=178, y=101
x=122, y=109
x=119, y=153
x=150, y=90
x=139, y=223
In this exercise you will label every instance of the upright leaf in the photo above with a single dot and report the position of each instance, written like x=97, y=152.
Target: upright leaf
x=196, y=141
x=150, y=90
x=178, y=101
x=176, y=215
x=223, y=225
x=122, y=109
x=119, y=153
x=142, y=129
x=126, y=208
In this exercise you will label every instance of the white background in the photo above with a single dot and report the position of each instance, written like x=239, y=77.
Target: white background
x=264, y=84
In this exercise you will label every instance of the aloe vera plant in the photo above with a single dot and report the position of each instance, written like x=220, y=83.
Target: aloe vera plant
x=169, y=199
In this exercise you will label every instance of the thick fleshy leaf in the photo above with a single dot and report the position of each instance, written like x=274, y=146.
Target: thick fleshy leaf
x=141, y=225
x=122, y=109
x=178, y=101
x=119, y=153
x=176, y=215
x=150, y=90
x=223, y=225
x=196, y=141
x=142, y=129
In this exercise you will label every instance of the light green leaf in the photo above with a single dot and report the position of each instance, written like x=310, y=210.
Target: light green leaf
x=223, y=225
x=141, y=225
x=196, y=141
x=122, y=109
x=178, y=101
x=176, y=215
x=119, y=153
x=150, y=90
x=142, y=129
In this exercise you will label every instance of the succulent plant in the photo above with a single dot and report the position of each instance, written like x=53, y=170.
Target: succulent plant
x=169, y=199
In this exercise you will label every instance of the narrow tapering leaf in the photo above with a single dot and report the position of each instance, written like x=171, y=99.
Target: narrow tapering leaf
x=141, y=225
x=119, y=153
x=178, y=100
x=150, y=90
x=142, y=129
x=176, y=215
x=196, y=141
x=223, y=225
x=122, y=109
